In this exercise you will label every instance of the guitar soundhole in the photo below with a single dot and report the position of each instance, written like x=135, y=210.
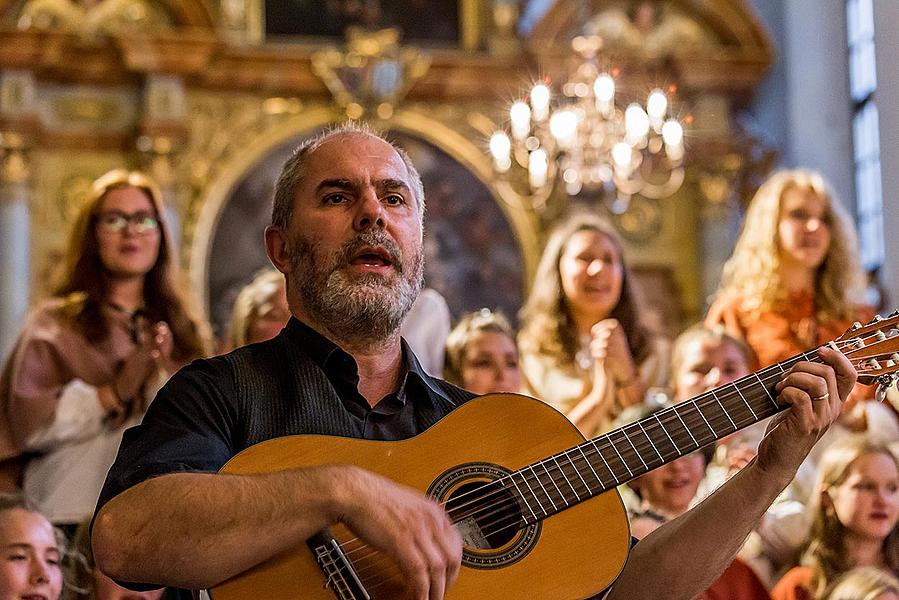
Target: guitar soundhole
x=486, y=514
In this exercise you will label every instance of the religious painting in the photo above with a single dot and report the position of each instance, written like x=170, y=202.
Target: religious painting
x=429, y=22
x=472, y=257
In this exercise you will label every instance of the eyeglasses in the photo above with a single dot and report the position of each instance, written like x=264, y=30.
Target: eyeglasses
x=116, y=221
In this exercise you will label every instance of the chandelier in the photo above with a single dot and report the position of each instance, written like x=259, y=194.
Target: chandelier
x=580, y=138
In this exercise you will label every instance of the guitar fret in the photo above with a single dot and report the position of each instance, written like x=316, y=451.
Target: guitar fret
x=611, y=472
x=621, y=458
x=544, y=490
x=662, y=425
x=724, y=410
x=589, y=464
x=637, y=452
x=553, y=481
x=706, y=421
x=568, y=481
x=767, y=391
x=578, y=471
x=690, y=433
x=651, y=443
x=755, y=417
x=741, y=409
x=540, y=504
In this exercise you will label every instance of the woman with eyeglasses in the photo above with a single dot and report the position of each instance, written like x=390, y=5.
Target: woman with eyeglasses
x=91, y=357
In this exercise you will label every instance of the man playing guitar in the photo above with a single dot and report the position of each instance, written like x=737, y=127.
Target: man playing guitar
x=347, y=234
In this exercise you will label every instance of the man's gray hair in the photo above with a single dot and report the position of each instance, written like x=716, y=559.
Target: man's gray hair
x=295, y=169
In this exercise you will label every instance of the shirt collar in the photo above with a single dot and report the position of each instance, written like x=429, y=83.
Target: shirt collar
x=322, y=351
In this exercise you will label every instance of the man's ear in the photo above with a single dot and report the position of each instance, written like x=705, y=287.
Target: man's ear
x=278, y=248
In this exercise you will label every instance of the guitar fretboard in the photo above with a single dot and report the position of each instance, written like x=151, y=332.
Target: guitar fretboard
x=598, y=465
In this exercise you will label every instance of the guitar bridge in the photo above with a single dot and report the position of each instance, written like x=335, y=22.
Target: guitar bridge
x=340, y=575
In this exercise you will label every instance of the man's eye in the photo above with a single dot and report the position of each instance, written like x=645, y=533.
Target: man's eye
x=394, y=200
x=335, y=199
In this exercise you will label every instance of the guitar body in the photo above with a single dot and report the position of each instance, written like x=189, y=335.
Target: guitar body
x=572, y=554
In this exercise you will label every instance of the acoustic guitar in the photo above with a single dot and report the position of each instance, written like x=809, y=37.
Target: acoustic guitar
x=534, y=501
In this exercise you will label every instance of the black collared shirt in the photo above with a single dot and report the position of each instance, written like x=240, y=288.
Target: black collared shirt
x=392, y=418
x=197, y=421
x=201, y=417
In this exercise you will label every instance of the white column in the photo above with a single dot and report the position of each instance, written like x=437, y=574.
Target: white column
x=15, y=239
x=18, y=108
x=817, y=95
x=886, y=16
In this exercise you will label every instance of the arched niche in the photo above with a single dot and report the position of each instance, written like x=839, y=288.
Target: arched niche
x=478, y=251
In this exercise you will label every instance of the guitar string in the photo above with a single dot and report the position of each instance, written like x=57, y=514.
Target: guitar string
x=364, y=565
x=606, y=442
x=643, y=445
x=516, y=519
x=564, y=479
x=707, y=399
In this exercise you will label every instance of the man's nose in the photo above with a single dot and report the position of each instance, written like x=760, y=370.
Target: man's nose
x=370, y=211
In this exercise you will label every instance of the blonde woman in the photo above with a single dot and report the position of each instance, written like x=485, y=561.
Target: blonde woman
x=793, y=283
x=481, y=355
x=32, y=552
x=91, y=357
x=583, y=347
x=260, y=310
x=794, y=279
x=854, y=514
x=865, y=583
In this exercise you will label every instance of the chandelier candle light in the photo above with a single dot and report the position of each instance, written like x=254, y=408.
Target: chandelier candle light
x=588, y=141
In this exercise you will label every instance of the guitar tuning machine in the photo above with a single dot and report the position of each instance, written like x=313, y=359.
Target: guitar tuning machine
x=875, y=319
x=884, y=382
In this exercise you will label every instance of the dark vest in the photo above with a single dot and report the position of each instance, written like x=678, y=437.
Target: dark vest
x=282, y=391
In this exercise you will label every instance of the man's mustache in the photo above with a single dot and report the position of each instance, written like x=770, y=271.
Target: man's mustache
x=372, y=238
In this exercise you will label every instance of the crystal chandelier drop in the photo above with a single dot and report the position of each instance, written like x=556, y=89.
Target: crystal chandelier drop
x=580, y=137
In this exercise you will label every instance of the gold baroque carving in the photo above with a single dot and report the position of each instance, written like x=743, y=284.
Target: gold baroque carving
x=650, y=30
x=228, y=136
x=85, y=18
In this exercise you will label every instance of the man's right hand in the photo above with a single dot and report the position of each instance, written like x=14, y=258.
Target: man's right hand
x=413, y=530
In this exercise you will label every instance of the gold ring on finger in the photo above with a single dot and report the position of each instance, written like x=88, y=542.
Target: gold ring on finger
x=823, y=396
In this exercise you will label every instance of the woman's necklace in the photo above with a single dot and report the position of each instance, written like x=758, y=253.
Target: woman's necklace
x=134, y=317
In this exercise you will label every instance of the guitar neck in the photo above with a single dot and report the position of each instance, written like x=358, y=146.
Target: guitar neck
x=609, y=460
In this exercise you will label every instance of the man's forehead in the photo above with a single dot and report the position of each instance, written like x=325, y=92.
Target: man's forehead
x=349, y=153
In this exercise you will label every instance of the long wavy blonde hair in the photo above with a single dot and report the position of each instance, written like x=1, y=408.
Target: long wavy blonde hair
x=863, y=583
x=548, y=325
x=824, y=552
x=752, y=272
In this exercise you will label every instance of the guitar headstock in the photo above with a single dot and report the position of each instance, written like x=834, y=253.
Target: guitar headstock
x=873, y=349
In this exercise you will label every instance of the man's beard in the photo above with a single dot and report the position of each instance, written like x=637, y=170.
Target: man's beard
x=363, y=309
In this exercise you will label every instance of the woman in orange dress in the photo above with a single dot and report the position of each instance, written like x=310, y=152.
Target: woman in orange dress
x=794, y=280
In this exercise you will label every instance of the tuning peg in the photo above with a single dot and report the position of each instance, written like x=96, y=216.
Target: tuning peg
x=881, y=391
x=876, y=319
x=895, y=313
x=855, y=326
